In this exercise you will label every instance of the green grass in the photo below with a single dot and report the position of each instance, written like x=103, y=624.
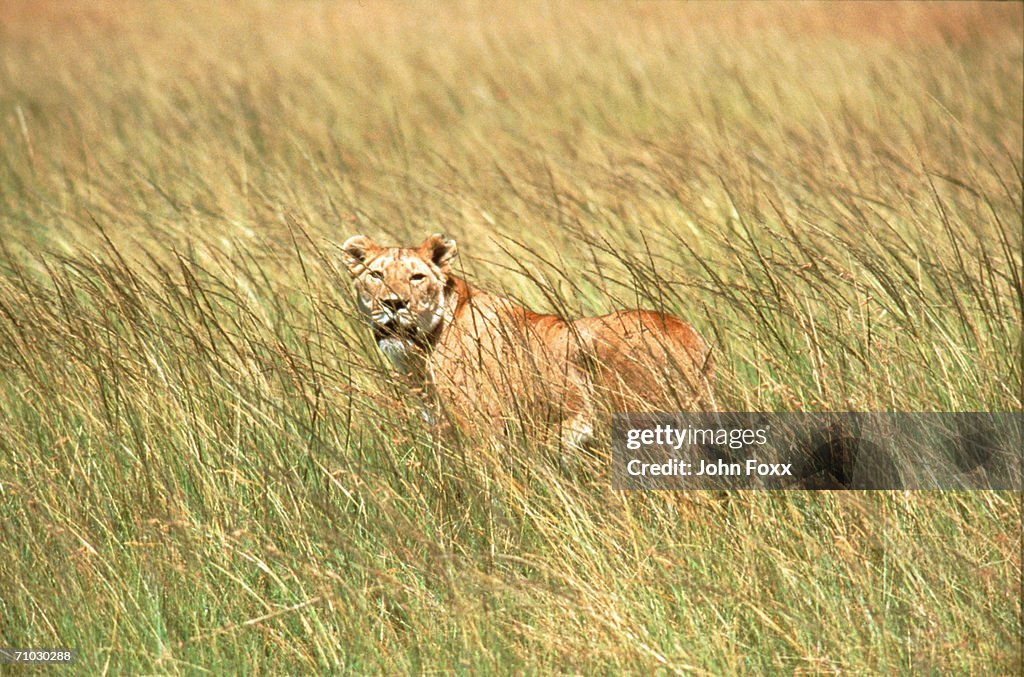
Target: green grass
x=203, y=466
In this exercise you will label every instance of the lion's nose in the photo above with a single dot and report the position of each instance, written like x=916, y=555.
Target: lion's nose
x=394, y=305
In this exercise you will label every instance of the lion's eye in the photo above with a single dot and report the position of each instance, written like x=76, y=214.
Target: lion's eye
x=417, y=277
x=376, y=274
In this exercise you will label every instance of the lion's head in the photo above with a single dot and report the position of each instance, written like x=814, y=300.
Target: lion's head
x=401, y=290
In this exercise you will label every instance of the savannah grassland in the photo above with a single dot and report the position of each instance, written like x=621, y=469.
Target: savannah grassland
x=204, y=468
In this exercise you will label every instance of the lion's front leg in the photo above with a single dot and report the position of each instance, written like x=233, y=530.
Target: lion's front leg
x=577, y=432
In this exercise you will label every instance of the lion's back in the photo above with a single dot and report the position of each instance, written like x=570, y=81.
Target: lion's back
x=646, y=360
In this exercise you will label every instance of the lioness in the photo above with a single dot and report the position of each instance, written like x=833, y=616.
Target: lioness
x=481, y=355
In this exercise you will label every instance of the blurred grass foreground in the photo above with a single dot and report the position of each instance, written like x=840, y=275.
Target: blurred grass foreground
x=204, y=466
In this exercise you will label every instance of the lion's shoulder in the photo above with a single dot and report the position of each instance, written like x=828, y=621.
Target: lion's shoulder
x=501, y=325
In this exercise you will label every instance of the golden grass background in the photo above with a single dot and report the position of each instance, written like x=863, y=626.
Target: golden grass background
x=203, y=468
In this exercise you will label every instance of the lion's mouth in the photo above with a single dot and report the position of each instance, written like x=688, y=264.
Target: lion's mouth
x=393, y=327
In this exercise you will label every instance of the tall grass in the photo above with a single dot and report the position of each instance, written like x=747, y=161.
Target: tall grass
x=204, y=465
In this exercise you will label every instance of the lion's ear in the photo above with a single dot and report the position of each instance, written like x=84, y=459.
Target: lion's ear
x=439, y=250
x=357, y=250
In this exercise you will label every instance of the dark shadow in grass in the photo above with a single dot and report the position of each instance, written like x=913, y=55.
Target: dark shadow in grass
x=840, y=458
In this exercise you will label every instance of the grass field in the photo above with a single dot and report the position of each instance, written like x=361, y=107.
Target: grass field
x=203, y=467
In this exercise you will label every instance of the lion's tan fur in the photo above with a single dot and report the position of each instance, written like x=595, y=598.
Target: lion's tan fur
x=484, y=357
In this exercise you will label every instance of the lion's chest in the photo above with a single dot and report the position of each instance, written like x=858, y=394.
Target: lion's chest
x=399, y=353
